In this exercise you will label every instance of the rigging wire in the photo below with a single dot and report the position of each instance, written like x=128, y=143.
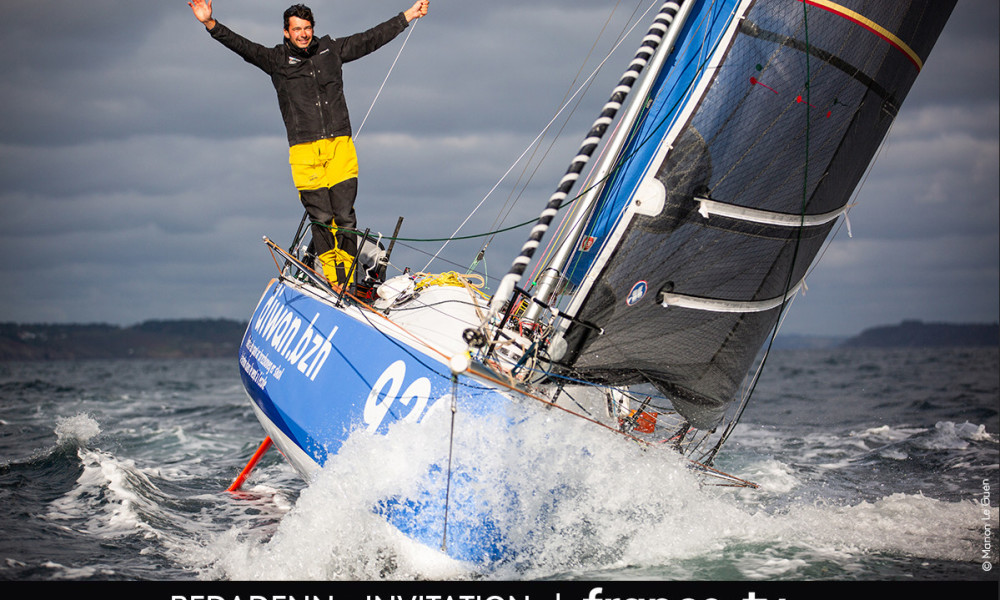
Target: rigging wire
x=536, y=140
x=699, y=59
x=819, y=256
x=451, y=447
x=369, y=314
x=795, y=250
x=413, y=26
x=508, y=207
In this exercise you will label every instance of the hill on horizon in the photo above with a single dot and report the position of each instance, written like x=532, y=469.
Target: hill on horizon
x=220, y=338
x=914, y=333
x=181, y=338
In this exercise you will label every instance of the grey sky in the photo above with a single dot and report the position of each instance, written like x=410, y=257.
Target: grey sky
x=141, y=161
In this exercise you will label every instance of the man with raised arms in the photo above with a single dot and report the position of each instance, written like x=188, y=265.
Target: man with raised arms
x=307, y=75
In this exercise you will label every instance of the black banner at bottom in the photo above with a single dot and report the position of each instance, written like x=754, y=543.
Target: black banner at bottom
x=507, y=590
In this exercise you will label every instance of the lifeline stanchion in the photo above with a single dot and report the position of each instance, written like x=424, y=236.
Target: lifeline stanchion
x=350, y=272
x=451, y=445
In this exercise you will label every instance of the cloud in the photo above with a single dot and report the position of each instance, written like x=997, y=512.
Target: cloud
x=141, y=162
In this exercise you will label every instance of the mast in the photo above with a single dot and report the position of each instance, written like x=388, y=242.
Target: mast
x=651, y=42
x=551, y=275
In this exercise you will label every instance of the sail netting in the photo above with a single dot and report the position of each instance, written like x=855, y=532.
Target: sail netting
x=790, y=102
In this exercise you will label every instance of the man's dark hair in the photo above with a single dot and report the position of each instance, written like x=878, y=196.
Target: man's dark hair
x=302, y=12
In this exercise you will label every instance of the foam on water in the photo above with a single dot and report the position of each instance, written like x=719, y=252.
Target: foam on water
x=135, y=490
x=105, y=501
x=76, y=430
x=550, y=496
x=60, y=571
x=948, y=435
x=569, y=507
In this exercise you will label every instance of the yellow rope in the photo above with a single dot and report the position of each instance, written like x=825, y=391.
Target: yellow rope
x=452, y=278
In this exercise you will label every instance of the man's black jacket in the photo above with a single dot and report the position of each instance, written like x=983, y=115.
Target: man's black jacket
x=309, y=82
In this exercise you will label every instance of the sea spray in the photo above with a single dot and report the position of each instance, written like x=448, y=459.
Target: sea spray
x=76, y=430
x=571, y=500
x=563, y=498
x=833, y=504
x=331, y=532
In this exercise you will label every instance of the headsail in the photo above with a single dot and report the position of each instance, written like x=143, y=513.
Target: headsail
x=757, y=132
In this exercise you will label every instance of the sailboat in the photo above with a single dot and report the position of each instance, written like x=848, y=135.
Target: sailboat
x=730, y=150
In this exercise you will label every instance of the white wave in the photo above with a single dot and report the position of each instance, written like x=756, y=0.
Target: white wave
x=74, y=573
x=945, y=435
x=77, y=430
x=105, y=501
x=905, y=524
x=783, y=544
x=893, y=454
x=562, y=486
x=770, y=565
x=951, y=436
x=603, y=504
x=890, y=434
x=773, y=477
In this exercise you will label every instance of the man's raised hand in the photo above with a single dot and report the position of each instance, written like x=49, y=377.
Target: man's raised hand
x=202, y=10
x=417, y=10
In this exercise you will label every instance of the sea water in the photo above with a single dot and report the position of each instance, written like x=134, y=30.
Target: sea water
x=871, y=465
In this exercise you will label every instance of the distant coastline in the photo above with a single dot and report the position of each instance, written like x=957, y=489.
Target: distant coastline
x=908, y=334
x=912, y=333
x=187, y=338
x=220, y=338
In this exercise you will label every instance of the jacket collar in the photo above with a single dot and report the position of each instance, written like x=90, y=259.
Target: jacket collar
x=299, y=52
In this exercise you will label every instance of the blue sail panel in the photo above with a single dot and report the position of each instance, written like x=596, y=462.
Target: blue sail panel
x=667, y=98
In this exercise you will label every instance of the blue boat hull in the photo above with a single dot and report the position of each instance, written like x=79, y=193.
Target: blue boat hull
x=316, y=373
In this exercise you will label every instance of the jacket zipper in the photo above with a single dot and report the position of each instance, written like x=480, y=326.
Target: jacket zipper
x=319, y=98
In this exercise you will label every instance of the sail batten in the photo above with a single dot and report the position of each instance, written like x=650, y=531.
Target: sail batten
x=708, y=207
x=668, y=299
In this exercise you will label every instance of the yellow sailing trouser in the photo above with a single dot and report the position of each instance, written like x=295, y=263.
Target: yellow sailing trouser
x=323, y=163
x=326, y=175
